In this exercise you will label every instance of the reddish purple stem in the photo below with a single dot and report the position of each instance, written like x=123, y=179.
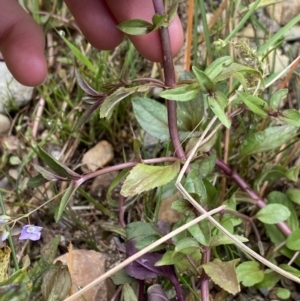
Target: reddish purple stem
x=282, y=226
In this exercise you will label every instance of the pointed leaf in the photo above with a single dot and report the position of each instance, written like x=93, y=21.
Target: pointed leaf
x=273, y=214
x=80, y=56
x=222, y=239
x=217, y=66
x=218, y=104
x=255, y=104
x=201, y=232
x=144, y=177
x=85, y=86
x=88, y=113
x=36, y=181
x=48, y=175
x=135, y=27
x=181, y=93
x=205, y=83
x=268, y=139
x=223, y=274
x=112, y=100
x=129, y=294
x=277, y=97
x=290, y=116
x=55, y=165
x=64, y=201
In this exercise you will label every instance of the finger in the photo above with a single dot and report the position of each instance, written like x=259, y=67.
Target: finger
x=96, y=23
x=22, y=44
x=148, y=45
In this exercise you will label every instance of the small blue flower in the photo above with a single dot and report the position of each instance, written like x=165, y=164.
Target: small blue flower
x=31, y=232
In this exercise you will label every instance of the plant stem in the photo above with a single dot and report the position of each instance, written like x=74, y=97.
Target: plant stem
x=170, y=81
x=204, y=281
x=282, y=226
x=10, y=241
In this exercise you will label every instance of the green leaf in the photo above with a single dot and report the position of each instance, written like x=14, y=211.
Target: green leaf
x=55, y=165
x=276, y=197
x=121, y=277
x=234, y=68
x=118, y=179
x=186, y=245
x=205, y=83
x=56, y=283
x=201, y=231
x=218, y=104
x=111, y=101
x=64, y=201
x=36, y=181
x=277, y=97
x=128, y=292
x=46, y=174
x=293, y=241
x=249, y=273
x=170, y=258
x=290, y=116
x=223, y=274
x=182, y=206
x=266, y=140
x=222, y=239
x=290, y=269
x=182, y=92
x=152, y=117
x=293, y=173
x=273, y=214
x=195, y=186
x=255, y=104
x=283, y=293
x=135, y=27
x=217, y=66
x=139, y=230
x=159, y=21
x=80, y=56
x=146, y=241
x=144, y=177
x=294, y=195
x=270, y=279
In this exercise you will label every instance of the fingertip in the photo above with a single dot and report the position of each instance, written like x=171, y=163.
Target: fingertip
x=29, y=71
x=22, y=44
x=96, y=23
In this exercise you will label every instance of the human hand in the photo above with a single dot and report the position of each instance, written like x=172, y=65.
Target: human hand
x=22, y=41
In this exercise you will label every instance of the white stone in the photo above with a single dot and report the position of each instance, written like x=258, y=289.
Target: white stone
x=98, y=156
x=4, y=124
x=12, y=91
